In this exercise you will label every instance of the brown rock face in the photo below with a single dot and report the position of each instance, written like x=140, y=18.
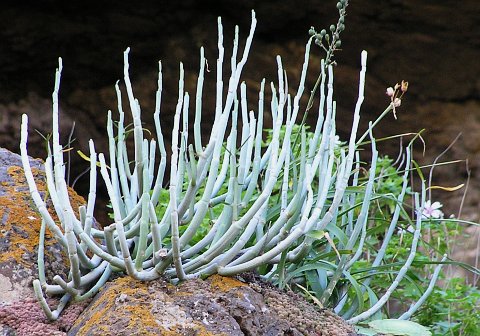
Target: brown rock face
x=216, y=306
x=20, y=228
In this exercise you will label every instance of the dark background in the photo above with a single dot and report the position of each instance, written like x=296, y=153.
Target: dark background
x=435, y=45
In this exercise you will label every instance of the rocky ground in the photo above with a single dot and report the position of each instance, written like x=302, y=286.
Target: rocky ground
x=216, y=306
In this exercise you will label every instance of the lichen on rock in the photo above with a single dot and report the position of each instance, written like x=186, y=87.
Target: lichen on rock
x=215, y=306
x=20, y=313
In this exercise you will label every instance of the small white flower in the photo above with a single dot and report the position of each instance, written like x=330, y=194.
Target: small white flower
x=432, y=210
x=397, y=102
x=390, y=91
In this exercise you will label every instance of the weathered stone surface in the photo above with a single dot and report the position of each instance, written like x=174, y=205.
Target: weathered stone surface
x=24, y=317
x=216, y=306
x=20, y=227
x=20, y=223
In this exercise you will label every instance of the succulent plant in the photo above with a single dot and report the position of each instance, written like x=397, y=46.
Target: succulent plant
x=267, y=199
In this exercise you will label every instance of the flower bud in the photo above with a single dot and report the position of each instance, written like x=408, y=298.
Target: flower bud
x=390, y=91
x=339, y=5
x=397, y=102
x=311, y=31
x=404, y=86
x=323, y=32
x=338, y=44
x=332, y=28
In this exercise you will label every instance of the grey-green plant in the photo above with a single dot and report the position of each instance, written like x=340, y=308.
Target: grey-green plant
x=271, y=202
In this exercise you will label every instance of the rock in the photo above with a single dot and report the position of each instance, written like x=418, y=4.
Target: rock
x=19, y=233
x=20, y=227
x=215, y=306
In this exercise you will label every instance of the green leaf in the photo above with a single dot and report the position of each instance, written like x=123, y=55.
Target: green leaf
x=313, y=266
x=317, y=280
x=365, y=331
x=373, y=299
x=399, y=327
x=336, y=231
x=317, y=234
x=357, y=289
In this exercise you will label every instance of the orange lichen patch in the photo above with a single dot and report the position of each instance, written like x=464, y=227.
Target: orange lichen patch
x=75, y=200
x=130, y=307
x=137, y=313
x=225, y=283
x=202, y=331
x=141, y=317
x=19, y=220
